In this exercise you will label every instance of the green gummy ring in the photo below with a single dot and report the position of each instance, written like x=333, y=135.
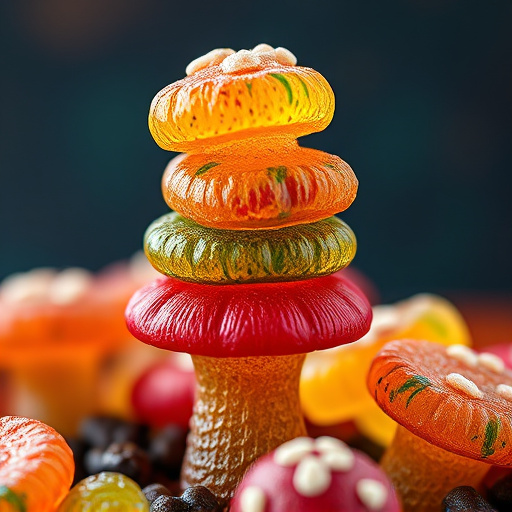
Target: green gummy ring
x=181, y=248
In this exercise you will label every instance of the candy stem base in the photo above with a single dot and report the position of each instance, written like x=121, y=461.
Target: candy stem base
x=245, y=407
x=423, y=474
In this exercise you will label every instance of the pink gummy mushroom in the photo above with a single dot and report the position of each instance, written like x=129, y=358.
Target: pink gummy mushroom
x=315, y=475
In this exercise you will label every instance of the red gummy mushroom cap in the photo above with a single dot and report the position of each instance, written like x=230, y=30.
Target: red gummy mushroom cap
x=315, y=475
x=250, y=319
x=451, y=397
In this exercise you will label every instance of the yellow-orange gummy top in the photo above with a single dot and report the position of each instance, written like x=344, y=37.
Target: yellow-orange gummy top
x=230, y=96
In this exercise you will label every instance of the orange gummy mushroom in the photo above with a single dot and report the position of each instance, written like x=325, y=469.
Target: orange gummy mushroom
x=56, y=328
x=454, y=408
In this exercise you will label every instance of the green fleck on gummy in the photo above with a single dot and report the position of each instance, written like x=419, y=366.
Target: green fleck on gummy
x=286, y=85
x=206, y=167
x=249, y=88
x=279, y=173
x=10, y=497
x=417, y=383
x=491, y=434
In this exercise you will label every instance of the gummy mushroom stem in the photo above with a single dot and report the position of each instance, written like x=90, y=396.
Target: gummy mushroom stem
x=245, y=407
x=423, y=474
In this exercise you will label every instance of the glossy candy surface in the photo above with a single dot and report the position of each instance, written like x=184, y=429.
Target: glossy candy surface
x=410, y=380
x=250, y=319
x=105, y=492
x=315, y=475
x=333, y=381
x=181, y=248
x=36, y=466
x=259, y=188
x=220, y=103
x=164, y=394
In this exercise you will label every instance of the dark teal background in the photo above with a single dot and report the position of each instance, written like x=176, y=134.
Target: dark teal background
x=423, y=116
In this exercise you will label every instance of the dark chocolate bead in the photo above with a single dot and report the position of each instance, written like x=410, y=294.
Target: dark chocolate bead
x=125, y=458
x=169, y=504
x=465, y=499
x=154, y=491
x=167, y=449
x=500, y=494
x=200, y=499
x=102, y=431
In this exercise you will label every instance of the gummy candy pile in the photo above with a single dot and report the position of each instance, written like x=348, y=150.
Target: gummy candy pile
x=254, y=288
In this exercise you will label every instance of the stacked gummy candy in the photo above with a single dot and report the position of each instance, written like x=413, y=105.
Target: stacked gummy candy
x=252, y=252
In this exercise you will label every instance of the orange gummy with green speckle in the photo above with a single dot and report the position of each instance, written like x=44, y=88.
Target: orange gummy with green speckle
x=36, y=466
x=333, y=381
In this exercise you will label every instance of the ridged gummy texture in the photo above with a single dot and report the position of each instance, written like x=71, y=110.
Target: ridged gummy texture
x=423, y=474
x=210, y=107
x=245, y=407
x=249, y=319
x=181, y=248
x=105, y=492
x=260, y=188
x=408, y=380
x=36, y=466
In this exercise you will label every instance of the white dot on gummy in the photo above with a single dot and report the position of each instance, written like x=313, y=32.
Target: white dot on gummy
x=243, y=59
x=504, y=391
x=262, y=48
x=339, y=460
x=327, y=443
x=285, y=56
x=459, y=382
x=463, y=354
x=491, y=362
x=372, y=493
x=311, y=477
x=252, y=499
x=209, y=59
x=292, y=452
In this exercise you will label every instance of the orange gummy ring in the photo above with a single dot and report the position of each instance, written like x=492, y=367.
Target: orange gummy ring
x=37, y=465
x=240, y=96
x=267, y=189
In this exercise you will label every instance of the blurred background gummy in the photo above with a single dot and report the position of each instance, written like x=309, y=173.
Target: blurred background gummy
x=423, y=115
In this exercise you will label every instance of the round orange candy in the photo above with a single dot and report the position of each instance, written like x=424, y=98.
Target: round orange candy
x=271, y=188
x=233, y=96
x=36, y=466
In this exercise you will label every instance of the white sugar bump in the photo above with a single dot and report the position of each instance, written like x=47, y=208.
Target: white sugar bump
x=286, y=57
x=463, y=354
x=339, y=460
x=292, y=452
x=212, y=58
x=327, y=444
x=262, y=48
x=69, y=286
x=335, y=453
x=491, y=362
x=252, y=499
x=240, y=61
x=457, y=381
x=311, y=477
x=372, y=493
x=504, y=391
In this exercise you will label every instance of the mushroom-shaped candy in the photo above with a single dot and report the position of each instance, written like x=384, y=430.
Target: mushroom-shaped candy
x=454, y=408
x=247, y=344
x=332, y=383
x=315, y=475
x=56, y=329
